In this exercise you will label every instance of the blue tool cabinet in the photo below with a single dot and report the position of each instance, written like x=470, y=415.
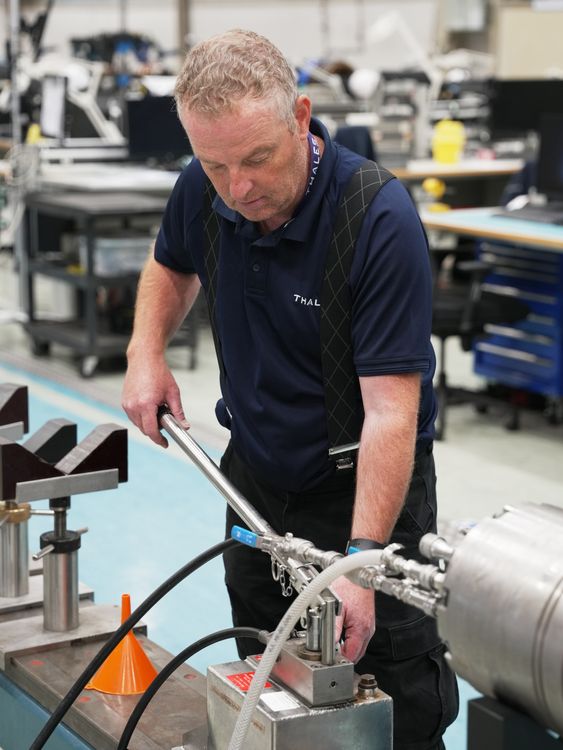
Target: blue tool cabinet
x=527, y=354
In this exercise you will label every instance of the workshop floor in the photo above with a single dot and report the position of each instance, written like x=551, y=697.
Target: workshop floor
x=168, y=511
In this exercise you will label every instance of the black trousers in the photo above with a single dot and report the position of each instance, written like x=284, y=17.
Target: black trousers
x=405, y=654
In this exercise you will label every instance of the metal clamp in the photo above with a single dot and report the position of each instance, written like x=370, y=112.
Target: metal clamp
x=78, y=484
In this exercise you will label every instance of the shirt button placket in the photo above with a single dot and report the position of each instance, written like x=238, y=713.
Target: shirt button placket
x=256, y=275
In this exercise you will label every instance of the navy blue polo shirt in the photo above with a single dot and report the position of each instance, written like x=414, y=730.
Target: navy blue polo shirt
x=268, y=313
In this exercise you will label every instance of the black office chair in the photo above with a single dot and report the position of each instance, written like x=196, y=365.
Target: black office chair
x=461, y=308
x=358, y=139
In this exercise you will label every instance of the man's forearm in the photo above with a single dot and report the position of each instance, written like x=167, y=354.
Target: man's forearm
x=164, y=298
x=383, y=476
x=385, y=459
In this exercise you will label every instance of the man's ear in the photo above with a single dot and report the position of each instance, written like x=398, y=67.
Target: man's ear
x=303, y=114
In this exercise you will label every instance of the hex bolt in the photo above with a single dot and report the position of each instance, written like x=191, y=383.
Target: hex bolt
x=367, y=687
x=368, y=682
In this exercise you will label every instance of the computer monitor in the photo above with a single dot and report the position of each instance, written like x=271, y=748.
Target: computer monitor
x=550, y=158
x=154, y=130
x=52, y=117
x=518, y=105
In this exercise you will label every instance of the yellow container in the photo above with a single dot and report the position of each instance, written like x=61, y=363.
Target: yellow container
x=448, y=141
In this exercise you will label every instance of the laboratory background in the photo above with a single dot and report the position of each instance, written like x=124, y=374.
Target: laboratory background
x=115, y=625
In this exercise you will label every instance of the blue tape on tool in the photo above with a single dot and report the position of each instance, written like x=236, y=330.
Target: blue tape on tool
x=244, y=536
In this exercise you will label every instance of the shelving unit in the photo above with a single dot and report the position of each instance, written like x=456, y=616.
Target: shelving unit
x=49, y=216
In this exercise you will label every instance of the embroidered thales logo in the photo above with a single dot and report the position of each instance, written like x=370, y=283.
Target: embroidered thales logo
x=311, y=302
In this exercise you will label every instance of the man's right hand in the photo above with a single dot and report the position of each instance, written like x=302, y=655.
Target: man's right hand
x=149, y=384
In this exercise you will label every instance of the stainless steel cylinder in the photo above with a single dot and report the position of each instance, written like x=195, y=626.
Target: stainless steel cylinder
x=503, y=619
x=14, y=553
x=314, y=624
x=60, y=594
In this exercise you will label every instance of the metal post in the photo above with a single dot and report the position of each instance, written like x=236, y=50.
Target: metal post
x=184, y=25
x=15, y=53
x=123, y=16
x=15, y=59
x=60, y=575
x=14, y=554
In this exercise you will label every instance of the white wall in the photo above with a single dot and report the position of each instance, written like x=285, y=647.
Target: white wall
x=83, y=18
x=303, y=29
x=529, y=43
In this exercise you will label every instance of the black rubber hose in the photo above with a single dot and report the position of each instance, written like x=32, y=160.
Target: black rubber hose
x=176, y=578
x=173, y=664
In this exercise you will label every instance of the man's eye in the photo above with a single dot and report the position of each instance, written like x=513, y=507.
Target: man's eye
x=215, y=167
x=257, y=161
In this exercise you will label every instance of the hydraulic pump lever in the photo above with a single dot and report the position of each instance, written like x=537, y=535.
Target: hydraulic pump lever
x=264, y=537
x=234, y=498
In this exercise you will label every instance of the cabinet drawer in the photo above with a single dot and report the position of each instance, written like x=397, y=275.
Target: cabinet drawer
x=527, y=354
x=516, y=367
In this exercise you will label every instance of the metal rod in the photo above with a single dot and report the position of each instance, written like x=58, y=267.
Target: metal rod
x=14, y=559
x=60, y=523
x=238, y=502
x=328, y=645
x=43, y=552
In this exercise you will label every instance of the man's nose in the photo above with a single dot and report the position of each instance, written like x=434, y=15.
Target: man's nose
x=240, y=186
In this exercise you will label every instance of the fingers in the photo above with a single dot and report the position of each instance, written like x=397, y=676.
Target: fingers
x=144, y=391
x=355, y=645
x=357, y=619
x=150, y=427
x=144, y=416
x=175, y=405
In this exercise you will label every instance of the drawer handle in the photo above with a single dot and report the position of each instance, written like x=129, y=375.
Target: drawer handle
x=516, y=354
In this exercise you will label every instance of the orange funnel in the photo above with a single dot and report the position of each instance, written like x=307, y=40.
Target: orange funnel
x=127, y=670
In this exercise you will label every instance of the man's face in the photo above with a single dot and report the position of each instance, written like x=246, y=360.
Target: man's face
x=256, y=164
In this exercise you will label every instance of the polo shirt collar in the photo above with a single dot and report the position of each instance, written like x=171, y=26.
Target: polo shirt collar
x=299, y=227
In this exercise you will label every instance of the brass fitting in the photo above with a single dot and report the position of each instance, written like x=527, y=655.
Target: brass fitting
x=11, y=512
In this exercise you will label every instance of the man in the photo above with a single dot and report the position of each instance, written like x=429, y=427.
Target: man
x=278, y=180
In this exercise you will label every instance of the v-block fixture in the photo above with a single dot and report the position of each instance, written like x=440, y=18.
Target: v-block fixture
x=52, y=466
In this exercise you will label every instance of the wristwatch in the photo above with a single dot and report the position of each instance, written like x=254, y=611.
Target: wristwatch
x=361, y=545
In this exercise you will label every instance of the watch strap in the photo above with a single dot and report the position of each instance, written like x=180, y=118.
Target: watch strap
x=361, y=545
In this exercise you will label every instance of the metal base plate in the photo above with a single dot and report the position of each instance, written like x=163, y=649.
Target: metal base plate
x=35, y=596
x=27, y=635
x=99, y=718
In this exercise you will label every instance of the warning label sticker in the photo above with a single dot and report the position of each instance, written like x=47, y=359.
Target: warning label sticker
x=243, y=680
x=279, y=701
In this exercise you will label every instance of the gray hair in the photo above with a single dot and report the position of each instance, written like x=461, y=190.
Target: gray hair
x=219, y=72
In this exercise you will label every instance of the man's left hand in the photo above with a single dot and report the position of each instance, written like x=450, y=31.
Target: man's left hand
x=357, y=619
